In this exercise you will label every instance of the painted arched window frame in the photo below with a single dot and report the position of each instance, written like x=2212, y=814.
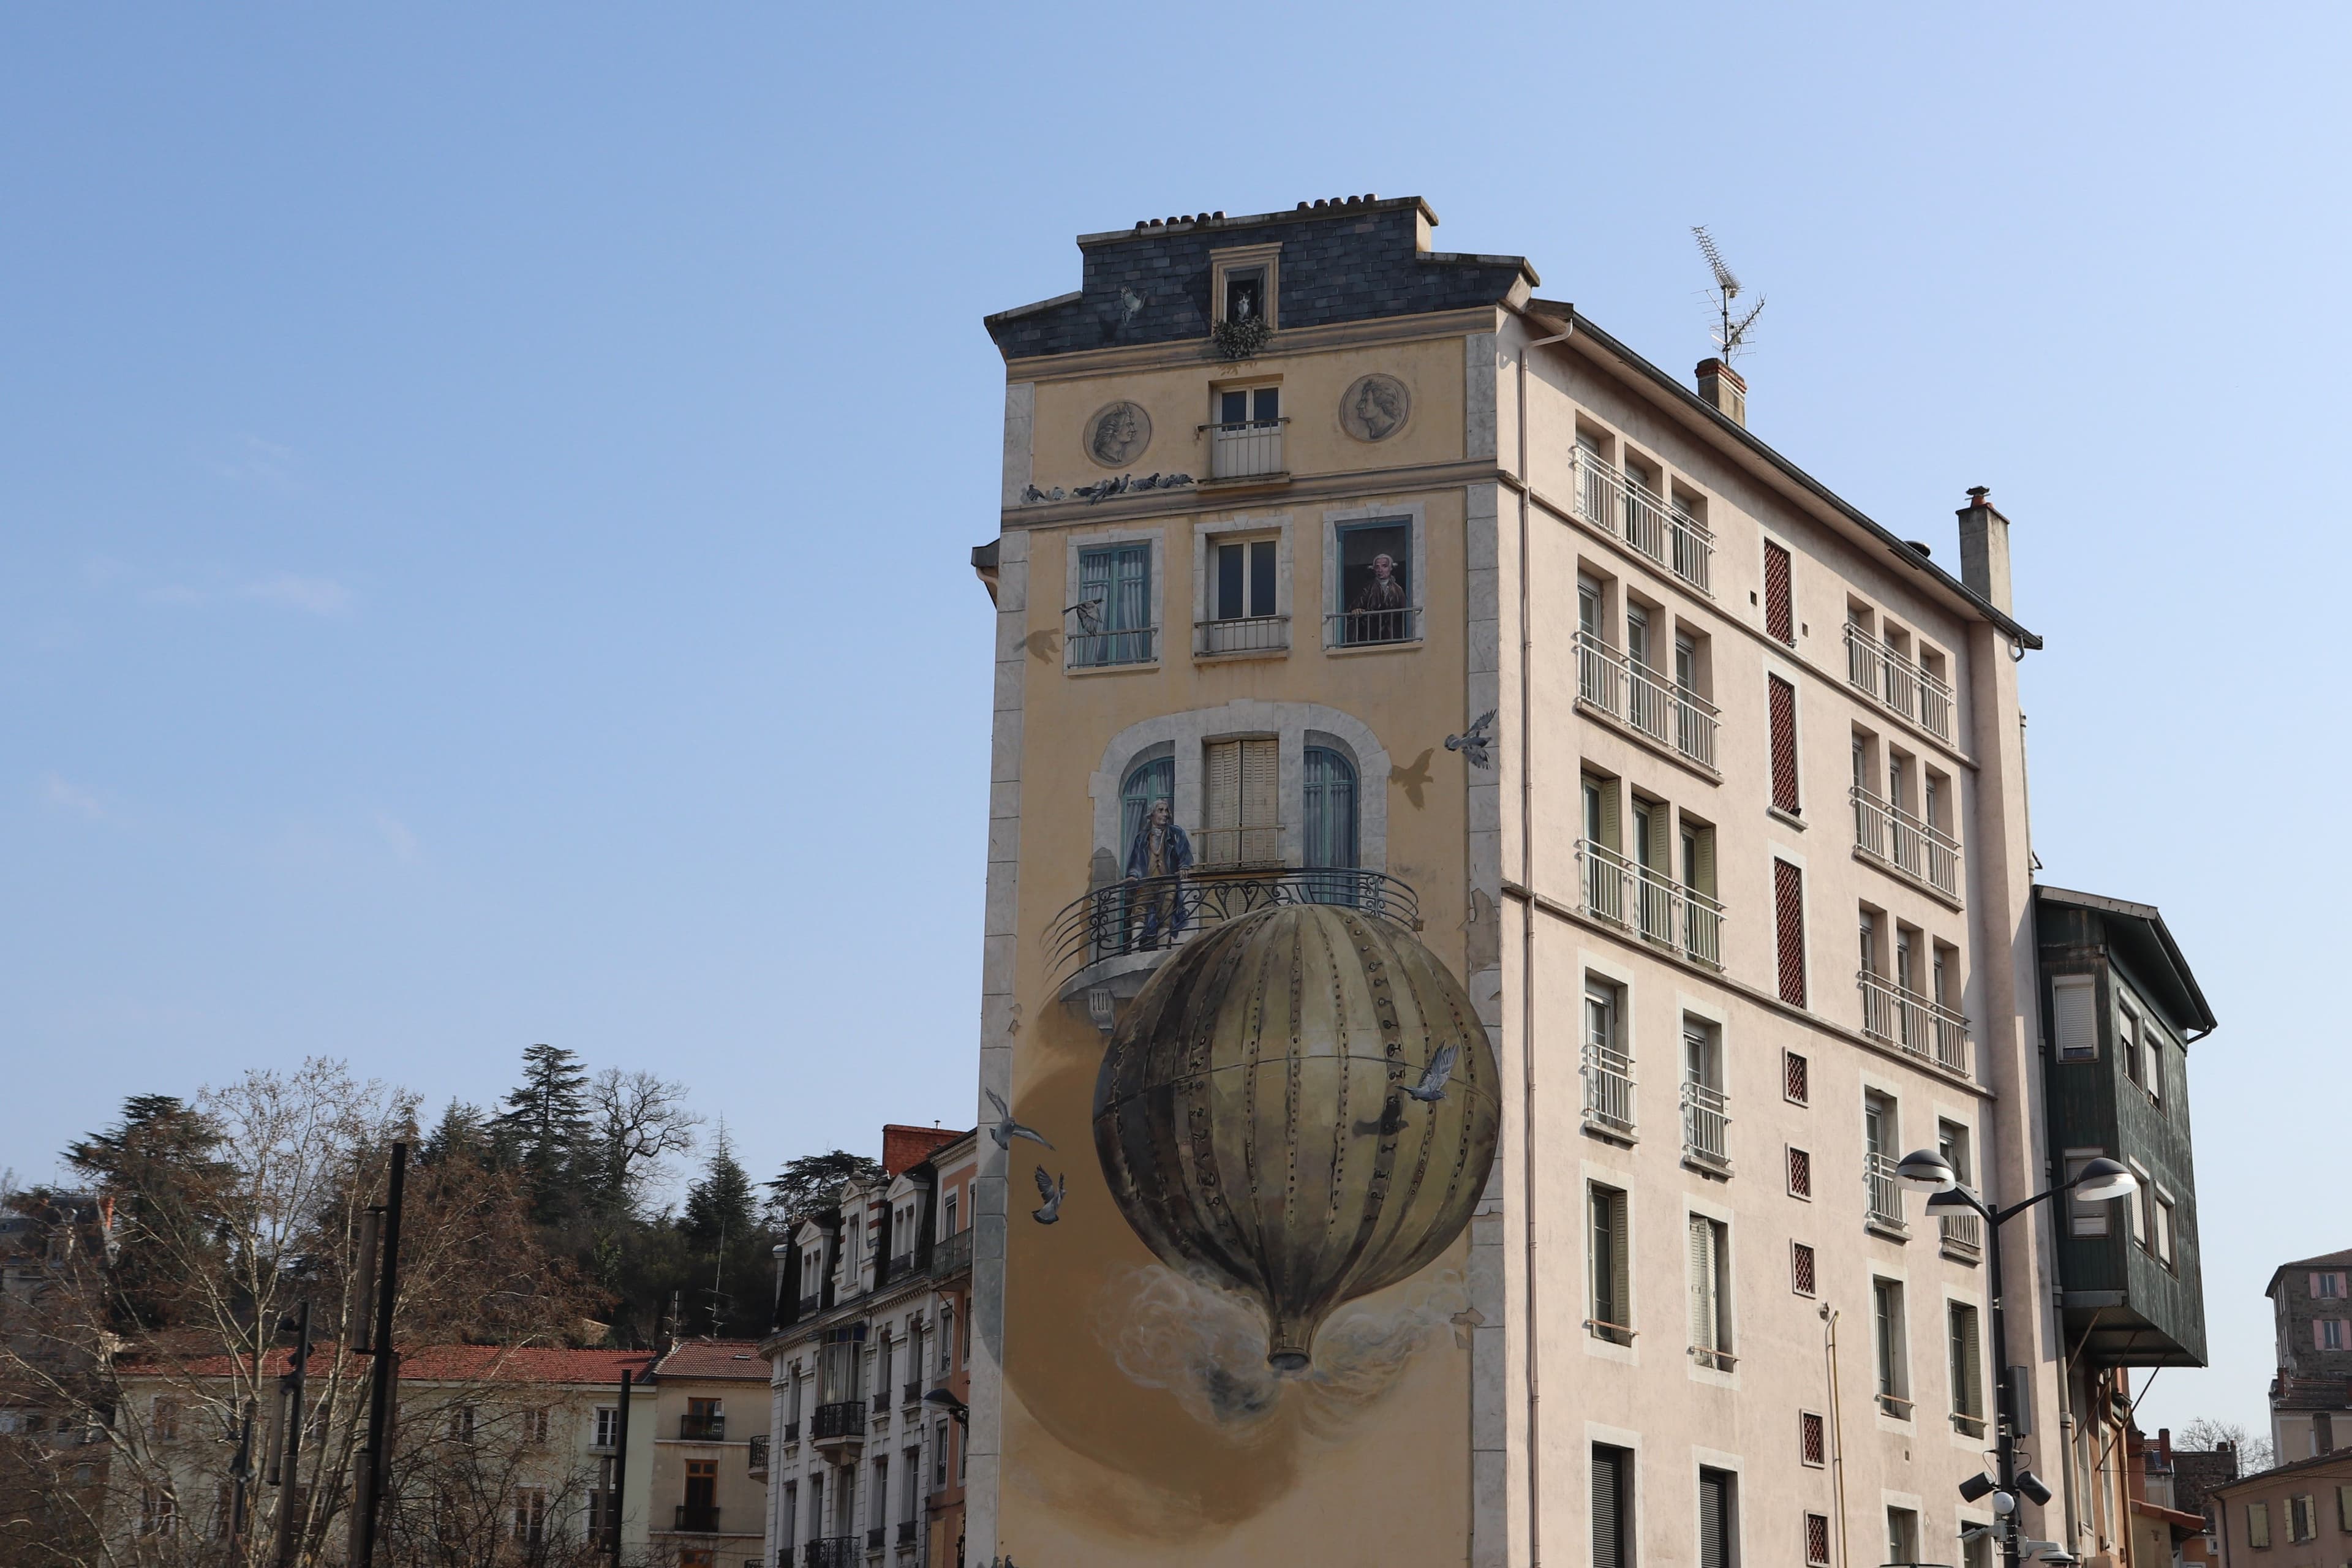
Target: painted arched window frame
x=1328, y=818
x=1182, y=738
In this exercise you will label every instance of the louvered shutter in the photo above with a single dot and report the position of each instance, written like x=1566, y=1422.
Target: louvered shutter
x=1701, y=870
x=1260, y=808
x=1968, y=1366
x=1780, y=618
x=1608, y=1510
x=1781, y=700
x=2073, y=1005
x=1659, y=853
x=1704, y=1283
x=1621, y=1293
x=1608, y=828
x=1713, y=1519
x=1789, y=916
x=1221, y=805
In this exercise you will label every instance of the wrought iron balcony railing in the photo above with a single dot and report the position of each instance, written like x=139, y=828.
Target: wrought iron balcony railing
x=905, y=1532
x=757, y=1457
x=912, y=1393
x=702, y=1428
x=1909, y=690
x=1158, y=912
x=1928, y=1030
x=1621, y=505
x=1369, y=629
x=696, y=1519
x=1883, y=1193
x=1893, y=837
x=842, y=1418
x=1096, y=650
x=873, y=1536
x=951, y=1253
x=1248, y=634
x=837, y=1551
x=1608, y=1087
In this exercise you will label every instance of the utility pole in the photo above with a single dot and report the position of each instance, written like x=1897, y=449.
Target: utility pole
x=286, y=1438
x=375, y=1460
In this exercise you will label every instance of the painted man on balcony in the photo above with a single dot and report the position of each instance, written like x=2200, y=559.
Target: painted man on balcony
x=1159, y=856
x=1380, y=607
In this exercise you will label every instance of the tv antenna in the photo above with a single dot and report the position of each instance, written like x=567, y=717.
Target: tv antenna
x=1730, y=336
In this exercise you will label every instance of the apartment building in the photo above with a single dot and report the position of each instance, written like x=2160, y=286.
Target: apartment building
x=863, y=1464
x=2298, y=1515
x=1503, y=862
x=706, y=1502
x=2311, y=1396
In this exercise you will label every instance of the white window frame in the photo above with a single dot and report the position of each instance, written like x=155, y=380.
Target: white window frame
x=1207, y=536
x=1244, y=259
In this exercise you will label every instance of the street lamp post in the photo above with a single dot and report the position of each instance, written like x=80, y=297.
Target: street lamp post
x=1925, y=1171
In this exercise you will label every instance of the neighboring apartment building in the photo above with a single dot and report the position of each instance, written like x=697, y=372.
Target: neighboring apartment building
x=1499, y=864
x=2298, y=1515
x=2167, y=1527
x=2311, y=1396
x=871, y=1316
x=706, y=1499
x=2120, y=1008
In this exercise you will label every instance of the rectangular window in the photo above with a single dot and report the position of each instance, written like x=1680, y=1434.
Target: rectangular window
x=165, y=1427
x=2327, y=1286
x=1812, y=1439
x=1817, y=1540
x=1376, y=586
x=1245, y=581
x=1607, y=1265
x=1113, y=614
x=948, y=1214
x=1976, y=1551
x=2073, y=1005
x=608, y=1425
x=1952, y=1143
x=530, y=1515
x=159, y=1512
x=1780, y=608
x=1718, y=1527
x=1244, y=294
x=2328, y=1334
x=1239, y=805
x=1789, y=917
x=534, y=1425
x=2343, y=1508
x=1901, y=1535
x=1796, y=1079
x=2086, y=1217
x=1612, y=1507
x=2302, y=1517
x=1710, y=1292
x=1801, y=1277
x=2258, y=1524
x=1781, y=701
x=1800, y=1174
x=938, y=1456
x=2127, y=1046
x=1968, y=1371
x=1894, y=1371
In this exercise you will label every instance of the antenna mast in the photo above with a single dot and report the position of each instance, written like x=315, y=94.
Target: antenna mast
x=1730, y=336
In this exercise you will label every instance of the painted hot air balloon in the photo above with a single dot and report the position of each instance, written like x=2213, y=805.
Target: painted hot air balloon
x=1302, y=1103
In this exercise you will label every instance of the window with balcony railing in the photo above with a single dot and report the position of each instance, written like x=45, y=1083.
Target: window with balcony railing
x=1927, y=1029
x=1112, y=622
x=1246, y=438
x=1894, y=838
x=1890, y=680
x=1706, y=1125
x=1883, y=1195
x=1644, y=701
x=1622, y=506
x=1607, y=1069
x=1649, y=901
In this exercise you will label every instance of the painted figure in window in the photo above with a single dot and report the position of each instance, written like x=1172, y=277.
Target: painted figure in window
x=1159, y=854
x=1383, y=592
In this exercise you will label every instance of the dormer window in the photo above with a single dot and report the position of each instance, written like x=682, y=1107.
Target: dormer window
x=1246, y=294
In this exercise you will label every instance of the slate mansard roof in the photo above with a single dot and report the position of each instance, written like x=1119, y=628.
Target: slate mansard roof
x=1355, y=259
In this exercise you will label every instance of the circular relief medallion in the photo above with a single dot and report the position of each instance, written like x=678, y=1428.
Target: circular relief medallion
x=1374, y=407
x=1117, y=434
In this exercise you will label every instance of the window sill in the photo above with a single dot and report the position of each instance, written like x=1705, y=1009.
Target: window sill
x=1622, y=1136
x=1133, y=667
x=1707, y=1165
x=1789, y=818
x=1273, y=481
x=1893, y=1230
x=1960, y=1252
x=1239, y=656
x=1401, y=645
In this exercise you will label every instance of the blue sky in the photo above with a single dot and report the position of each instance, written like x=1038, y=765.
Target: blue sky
x=485, y=491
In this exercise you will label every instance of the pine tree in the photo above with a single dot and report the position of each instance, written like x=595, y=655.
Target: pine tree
x=718, y=1207
x=814, y=1181
x=545, y=1124
x=462, y=1133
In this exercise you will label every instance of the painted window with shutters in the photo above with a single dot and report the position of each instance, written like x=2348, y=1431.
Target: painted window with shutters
x=1608, y=1265
x=1718, y=1527
x=1796, y=1079
x=1967, y=1366
x=2074, y=1016
x=1240, y=823
x=1115, y=624
x=2327, y=1286
x=1780, y=702
x=1800, y=1174
x=2302, y=1517
x=1330, y=811
x=1612, y=1507
x=1780, y=601
x=1710, y=1292
x=1789, y=922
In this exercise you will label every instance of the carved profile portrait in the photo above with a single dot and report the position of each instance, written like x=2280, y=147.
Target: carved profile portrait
x=1117, y=434
x=1374, y=407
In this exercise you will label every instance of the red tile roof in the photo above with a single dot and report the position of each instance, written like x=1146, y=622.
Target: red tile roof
x=714, y=1357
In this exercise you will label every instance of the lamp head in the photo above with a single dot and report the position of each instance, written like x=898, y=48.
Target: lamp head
x=1951, y=1200
x=2102, y=1179
x=2031, y=1485
x=1975, y=1487
x=945, y=1399
x=1925, y=1170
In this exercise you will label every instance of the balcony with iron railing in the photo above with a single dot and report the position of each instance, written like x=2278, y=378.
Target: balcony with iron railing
x=1883, y=1195
x=1910, y=691
x=1706, y=1126
x=841, y=1423
x=1109, y=647
x=1242, y=634
x=757, y=1457
x=1916, y=850
x=1926, y=1029
x=951, y=1253
x=875, y=1535
x=1157, y=914
x=791, y=1432
x=1962, y=1236
x=1643, y=700
x=1666, y=914
x=912, y=1393
x=907, y=1532
x=1371, y=629
x=1607, y=1075
x=784, y=1557
x=1624, y=508
x=837, y=1551
x=696, y=1519
x=1245, y=448
x=1238, y=848
x=702, y=1428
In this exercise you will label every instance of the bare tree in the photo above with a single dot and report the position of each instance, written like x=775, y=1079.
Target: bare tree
x=2210, y=1432
x=637, y=1120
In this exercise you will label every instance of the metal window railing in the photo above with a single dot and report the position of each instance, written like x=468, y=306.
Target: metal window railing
x=1917, y=848
x=1964, y=1232
x=1098, y=650
x=1634, y=694
x=1244, y=448
x=1614, y=502
x=696, y=1519
x=1884, y=1192
x=702, y=1428
x=1370, y=628
x=1649, y=901
x=1706, y=1125
x=1896, y=684
x=1157, y=913
x=837, y=1551
x=1608, y=1087
x=1926, y=1029
x=757, y=1459
x=951, y=1253
x=1244, y=634
x=842, y=1418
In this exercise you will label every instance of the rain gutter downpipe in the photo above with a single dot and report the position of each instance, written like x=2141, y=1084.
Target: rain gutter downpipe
x=1528, y=957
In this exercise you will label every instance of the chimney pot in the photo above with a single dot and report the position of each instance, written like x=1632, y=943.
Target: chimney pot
x=1724, y=390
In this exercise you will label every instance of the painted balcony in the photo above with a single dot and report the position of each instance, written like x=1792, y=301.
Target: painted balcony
x=1245, y=448
x=1637, y=697
x=1620, y=505
x=1106, y=649
x=1371, y=629
x=1241, y=635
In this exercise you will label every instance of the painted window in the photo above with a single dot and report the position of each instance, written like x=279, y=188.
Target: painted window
x=1376, y=587
x=1240, y=808
x=1780, y=699
x=1796, y=1079
x=1804, y=1272
x=1893, y=1368
x=1710, y=1292
x=2073, y=1005
x=1801, y=1174
x=1789, y=921
x=1817, y=1540
x=1114, y=599
x=1812, y=1439
x=1330, y=808
x=1244, y=580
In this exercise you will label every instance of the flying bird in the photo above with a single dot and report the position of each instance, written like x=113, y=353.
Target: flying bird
x=1006, y=1130
x=1053, y=1195
x=1089, y=614
x=1431, y=1087
x=1473, y=743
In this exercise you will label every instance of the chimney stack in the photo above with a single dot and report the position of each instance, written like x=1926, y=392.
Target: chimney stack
x=1724, y=391
x=1984, y=549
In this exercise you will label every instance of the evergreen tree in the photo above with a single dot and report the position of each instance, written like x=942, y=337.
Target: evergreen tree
x=462, y=1133
x=162, y=1166
x=814, y=1181
x=545, y=1124
x=718, y=1207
